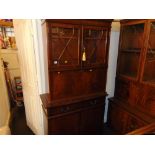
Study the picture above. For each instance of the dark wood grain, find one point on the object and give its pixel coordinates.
(147, 129)
(135, 87)
(75, 103)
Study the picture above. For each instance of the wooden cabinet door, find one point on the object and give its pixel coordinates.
(92, 120)
(64, 45)
(64, 125)
(94, 45)
(117, 119)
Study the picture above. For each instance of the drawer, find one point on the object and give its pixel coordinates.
(76, 106)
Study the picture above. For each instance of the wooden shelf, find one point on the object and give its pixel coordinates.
(19, 91)
(54, 37)
(150, 60)
(149, 80)
(130, 50)
(151, 51)
(6, 24)
(19, 99)
(87, 38)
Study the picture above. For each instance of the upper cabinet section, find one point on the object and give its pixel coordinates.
(76, 43)
(131, 45)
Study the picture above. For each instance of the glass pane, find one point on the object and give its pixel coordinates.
(149, 70)
(132, 37)
(94, 43)
(130, 48)
(65, 46)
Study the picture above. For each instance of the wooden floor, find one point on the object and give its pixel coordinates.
(18, 124)
(107, 131)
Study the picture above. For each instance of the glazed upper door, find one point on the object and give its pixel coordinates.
(64, 42)
(94, 46)
(131, 44)
(149, 68)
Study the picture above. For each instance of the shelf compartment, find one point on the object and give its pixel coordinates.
(132, 36)
(87, 38)
(130, 50)
(58, 37)
(128, 64)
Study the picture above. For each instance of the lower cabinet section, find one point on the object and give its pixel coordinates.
(123, 118)
(68, 120)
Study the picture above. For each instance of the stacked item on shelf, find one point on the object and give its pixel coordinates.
(7, 38)
(18, 91)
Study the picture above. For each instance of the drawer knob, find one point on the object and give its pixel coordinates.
(65, 61)
(65, 109)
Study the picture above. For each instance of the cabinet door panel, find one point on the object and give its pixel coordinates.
(67, 84)
(92, 121)
(64, 45)
(95, 45)
(64, 125)
(117, 119)
(94, 80)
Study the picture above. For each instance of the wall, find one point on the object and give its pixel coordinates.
(4, 101)
(11, 57)
(112, 63)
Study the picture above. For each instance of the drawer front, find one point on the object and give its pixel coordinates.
(76, 106)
